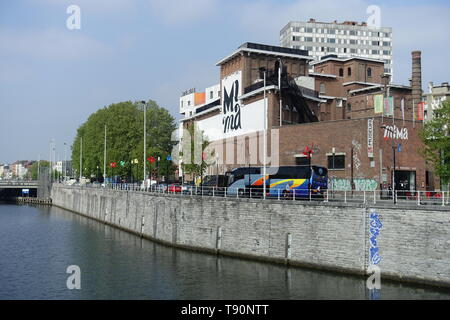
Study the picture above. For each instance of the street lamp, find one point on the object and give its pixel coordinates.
(393, 170)
(263, 70)
(145, 137)
(280, 65)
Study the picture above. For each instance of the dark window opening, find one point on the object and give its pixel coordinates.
(301, 161)
(341, 72)
(338, 163)
(349, 72)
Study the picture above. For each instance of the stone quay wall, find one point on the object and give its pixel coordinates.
(413, 243)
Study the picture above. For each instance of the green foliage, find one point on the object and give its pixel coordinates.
(125, 141)
(42, 166)
(195, 153)
(436, 137)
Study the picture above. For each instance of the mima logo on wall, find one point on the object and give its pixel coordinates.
(231, 120)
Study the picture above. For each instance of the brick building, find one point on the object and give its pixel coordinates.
(335, 110)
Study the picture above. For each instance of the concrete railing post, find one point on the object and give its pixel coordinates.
(443, 198)
(364, 192)
(418, 197)
(374, 196)
(345, 196)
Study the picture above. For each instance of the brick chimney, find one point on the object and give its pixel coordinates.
(416, 83)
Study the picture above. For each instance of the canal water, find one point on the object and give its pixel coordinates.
(38, 243)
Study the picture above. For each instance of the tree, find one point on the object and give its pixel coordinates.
(195, 151)
(125, 142)
(41, 165)
(436, 137)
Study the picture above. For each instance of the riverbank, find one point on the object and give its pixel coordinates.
(413, 243)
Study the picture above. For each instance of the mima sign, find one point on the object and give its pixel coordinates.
(231, 110)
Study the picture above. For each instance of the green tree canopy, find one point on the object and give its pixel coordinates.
(42, 166)
(436, 137)
(124, 140)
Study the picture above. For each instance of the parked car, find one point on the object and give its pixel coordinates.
(174, 188)
(188, 188)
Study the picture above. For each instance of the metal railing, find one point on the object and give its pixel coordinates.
(387, 197)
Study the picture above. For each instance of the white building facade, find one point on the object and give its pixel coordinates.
(345, 39)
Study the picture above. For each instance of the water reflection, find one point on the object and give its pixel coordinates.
(40, 242)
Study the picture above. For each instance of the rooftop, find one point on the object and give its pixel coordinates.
(343, 59)
(269, 50)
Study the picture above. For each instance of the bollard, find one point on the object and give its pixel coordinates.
(418, 197)
(374, 197)
(213, 192)
(327, 197)
(443, 198)
(278, 194)
(293, 196)
(364, 196)
(345, 196)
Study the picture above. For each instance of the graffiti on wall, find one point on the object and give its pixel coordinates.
(360, 184)
(356, 151)
(374, 230)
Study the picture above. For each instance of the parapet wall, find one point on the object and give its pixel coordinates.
(414, 244)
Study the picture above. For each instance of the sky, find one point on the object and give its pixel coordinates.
(52, 78)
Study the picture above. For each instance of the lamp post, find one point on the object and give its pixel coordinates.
(65, 162)
(263, 70)
(393, 169)
(279, 89)
(145, 137)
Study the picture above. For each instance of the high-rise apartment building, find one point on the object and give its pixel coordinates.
(345, 39)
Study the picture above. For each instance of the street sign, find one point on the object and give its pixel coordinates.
(25, 191)
(399, 147)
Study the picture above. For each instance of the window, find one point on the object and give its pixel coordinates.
(308, 30)
(369, 72)
(331, 40)
(189, 103)
(341, 72)
(211, 94)
(349, 71)
(301, 161)
(375, 43)
(386, 43)
(336, 161)
(322, 88)
(375, 51)
(352, 41)
(386, 52)
(352, 33)
(309, 39)
(182, 103)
